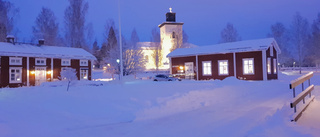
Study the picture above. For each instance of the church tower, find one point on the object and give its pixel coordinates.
(171, 36)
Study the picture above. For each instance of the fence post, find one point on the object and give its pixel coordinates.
(302, 86)
(294, 92)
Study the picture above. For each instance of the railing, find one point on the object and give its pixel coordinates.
(302, 95)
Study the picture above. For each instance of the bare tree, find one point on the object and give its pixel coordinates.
(46, 27)
(8, 14)
(133, 59)
(315, 40)
(75, 19)
(229, 34)
(280, 34)
(299, 32)
(156, 55)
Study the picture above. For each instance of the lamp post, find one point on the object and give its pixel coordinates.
(120, 44)
(118, 61)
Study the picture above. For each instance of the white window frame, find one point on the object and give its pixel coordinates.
(271, 51)
(16, 78)
(206, 72)
(275, 66)
(269, 65)
(41, 63)
(87, 72)
(17, 60)
(84, 63)
(66, 60)
(222, 67)
(243, 64)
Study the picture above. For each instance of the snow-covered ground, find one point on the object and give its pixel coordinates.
(138, 108)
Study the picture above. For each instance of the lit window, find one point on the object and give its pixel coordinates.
(274, 66)
(83, 62)
(248, 66)
(15, 61)
(269, 65)
(83, 73)
(65, 62)
(223, 67)
(40, 61)
(15, 75)
(206, 68)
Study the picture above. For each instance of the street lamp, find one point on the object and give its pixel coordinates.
(120, 44)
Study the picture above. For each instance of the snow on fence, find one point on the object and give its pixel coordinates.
(301, 97)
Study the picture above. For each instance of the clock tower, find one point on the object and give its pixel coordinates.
(171, 36)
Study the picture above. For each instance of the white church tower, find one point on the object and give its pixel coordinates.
(171, 36)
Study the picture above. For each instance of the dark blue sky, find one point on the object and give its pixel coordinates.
(204, 19)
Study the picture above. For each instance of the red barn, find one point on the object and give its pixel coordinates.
(247, 60)
(26, 64)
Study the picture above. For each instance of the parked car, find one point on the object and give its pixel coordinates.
(162, 77)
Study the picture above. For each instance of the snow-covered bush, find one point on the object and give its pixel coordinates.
(68, 74)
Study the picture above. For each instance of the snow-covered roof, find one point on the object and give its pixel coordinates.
(27, 50)
(240, 46)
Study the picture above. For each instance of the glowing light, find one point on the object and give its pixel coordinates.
(32, 72)
(108, 65)
(49, 72)
(181, 67)
(104, 67)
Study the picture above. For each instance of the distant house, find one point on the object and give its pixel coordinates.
(247, 60)
(29, 65)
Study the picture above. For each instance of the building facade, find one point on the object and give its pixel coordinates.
(246, 60)
(30, 65)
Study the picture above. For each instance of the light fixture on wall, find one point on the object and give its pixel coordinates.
(49, 72)
(32, 72)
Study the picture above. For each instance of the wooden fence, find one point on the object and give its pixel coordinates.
(301, 97)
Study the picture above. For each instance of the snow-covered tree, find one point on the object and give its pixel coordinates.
(8, 14)
(133, 59)
(96, 52)
(229, 34)
(46, 28)
(299, 37)
(280, 34)
(75, 17)
(110, 52)
(156, 55)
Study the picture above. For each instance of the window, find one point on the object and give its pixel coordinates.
(173, 35)
(271, 51)
(269, 65)
(40, 61)
(248, 66)
(223, 67)
(83, 62)
(65, 62)
(15, 75)
(83, 73)
(274, 66)
(15, 61)
(206, 68)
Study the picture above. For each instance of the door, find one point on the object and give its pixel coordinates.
(189, 70)
(40, 75)
(84, 74)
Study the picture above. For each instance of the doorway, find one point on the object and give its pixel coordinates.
(189, 70)
(40, 75)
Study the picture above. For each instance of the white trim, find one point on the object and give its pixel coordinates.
(17, 60)
(170, 65)
(243, 65)
(234, 65)
(20, 73)
(264, 65)
(83, 63)
(197, 66)
(220, 67)
(203, 68)
(51, 69)
(269, 65)
(277, 66)
(65, 62)
(87, 72)
(271, 50)
(91, 69)
(28, 75)
(41, 63)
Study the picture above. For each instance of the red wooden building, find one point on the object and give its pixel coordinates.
(247, 60)
(29, 65)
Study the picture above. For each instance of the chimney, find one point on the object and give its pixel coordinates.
(41, 42)
(10, 39)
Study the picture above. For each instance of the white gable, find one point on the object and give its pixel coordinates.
(26, 50)
(240, 46)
